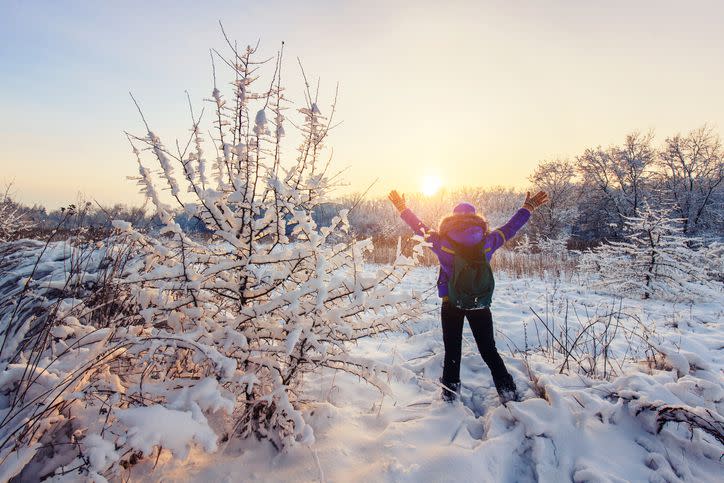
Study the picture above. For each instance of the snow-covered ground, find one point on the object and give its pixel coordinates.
(584, 429)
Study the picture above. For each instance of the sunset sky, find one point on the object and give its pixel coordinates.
(474, 93)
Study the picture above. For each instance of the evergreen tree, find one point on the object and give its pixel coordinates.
(655, 258)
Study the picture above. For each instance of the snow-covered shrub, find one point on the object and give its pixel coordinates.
(584, 346)
(654, 259)
(15, 220)
(61, 329)
(554, 248)
(272, 295)
(713, 253)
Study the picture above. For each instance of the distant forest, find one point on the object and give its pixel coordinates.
(591, 197)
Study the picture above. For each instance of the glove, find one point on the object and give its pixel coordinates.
(397, 200)
(533, 202)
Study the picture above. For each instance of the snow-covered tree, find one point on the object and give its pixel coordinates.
(692, 178)
(615, 182)
(557, 178)
(654, 259)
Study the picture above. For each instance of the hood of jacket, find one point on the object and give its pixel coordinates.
(464, 229)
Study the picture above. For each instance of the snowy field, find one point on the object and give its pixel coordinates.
(631, 425)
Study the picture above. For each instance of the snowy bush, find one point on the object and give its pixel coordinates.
(272, 295)
(15, 220)
(61, 329)
(713, 253)
(654, 259)
(580, 339)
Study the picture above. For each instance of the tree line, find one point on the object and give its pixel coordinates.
(591, 196)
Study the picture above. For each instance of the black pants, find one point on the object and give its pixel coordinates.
(481, 323)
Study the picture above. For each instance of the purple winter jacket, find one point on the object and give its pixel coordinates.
(467, 236)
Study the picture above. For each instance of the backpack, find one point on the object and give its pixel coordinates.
(471, 282)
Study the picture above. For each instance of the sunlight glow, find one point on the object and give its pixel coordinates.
(430, 185)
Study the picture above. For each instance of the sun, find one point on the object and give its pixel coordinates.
(430, 185)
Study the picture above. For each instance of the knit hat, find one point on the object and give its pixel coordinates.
(464, 209)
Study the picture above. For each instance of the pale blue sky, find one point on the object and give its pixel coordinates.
(474, 92)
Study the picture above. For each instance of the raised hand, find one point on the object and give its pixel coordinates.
(397, 200)
(533, 202)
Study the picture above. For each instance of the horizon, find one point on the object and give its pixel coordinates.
(519, 84)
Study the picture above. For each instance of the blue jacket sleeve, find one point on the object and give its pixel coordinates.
(414, 222)
(499, 236)
(421, 229)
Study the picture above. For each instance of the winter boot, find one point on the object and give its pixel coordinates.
(450, 390)
(508, 392)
